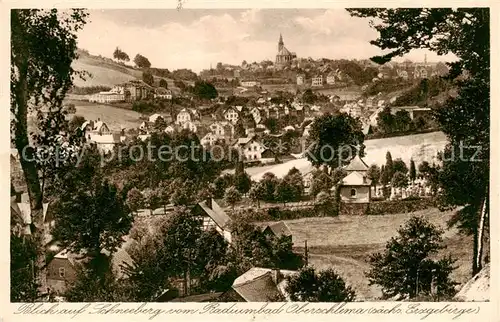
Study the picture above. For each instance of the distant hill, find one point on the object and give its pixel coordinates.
(106, 72)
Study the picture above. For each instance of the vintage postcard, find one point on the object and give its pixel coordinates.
(252, 163)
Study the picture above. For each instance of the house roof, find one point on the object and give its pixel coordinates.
(154, 117)
(356, 178)
(216, 213)
(284, 52)
(356, 164)
(280, 229)
(118, 259)
(257, 284)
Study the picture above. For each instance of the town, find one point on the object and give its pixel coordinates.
(281, 175)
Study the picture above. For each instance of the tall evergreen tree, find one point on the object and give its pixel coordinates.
(413, 170)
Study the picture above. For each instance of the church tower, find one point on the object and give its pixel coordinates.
(280, 44)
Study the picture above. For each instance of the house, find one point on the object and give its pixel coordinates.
(169, 129)
(289, 128)
(209, 139)
(330, 78)
(187, 115)
(250, 83)
(301, 78)
(317, 80)
(260, 285)
(106, 97)
(355, 189)
(62, 269)
(250, 147)
(414, 111)
(222, 129)
(278, 229)
(214, 217)
(163, 93)
(231, 115)
(154, 117)
(257, 117)
(191, 126)
(137, 90)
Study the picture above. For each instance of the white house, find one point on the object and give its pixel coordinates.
(250, 83)
(169, 129)
(214, 217)
(301, 79)
(256, 115)
(231, 115)
(187, 115)
(209, 139)
(222, 129)
(250, 148)
(330, 78)
(191, 126)
(317, 80)
(154, 117)
(163, 93)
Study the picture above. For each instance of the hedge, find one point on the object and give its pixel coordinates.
(400, 206)
(276, 213)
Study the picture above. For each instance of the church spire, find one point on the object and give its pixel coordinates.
(280, 43)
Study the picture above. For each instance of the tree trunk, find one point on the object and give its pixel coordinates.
(480, 234)
(26, 158)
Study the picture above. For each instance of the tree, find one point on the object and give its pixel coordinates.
(408, 266)
(141, 61)
(271, 124)
(76, 122)
(43, 47)
(148, 78)
(135, 199)
(424, 169)
(180, 245)
(270, 182)
(221, 184)
(399, 165)
(335, 140)
(325, 203)
(399, 180)
(324, 286)
(232, 196)
(294, 179)
(257, 193)
(23, 257)
(163, 83)
(204, 90)
(284, 192)
(86, 199)
(321, 182)
(435, 29)
(402, 121)
(389, 167)
(385, 120)
(95, 282)
(241, 180)
(118, 54)
(374, 175)
(309, 97)
(413, 171)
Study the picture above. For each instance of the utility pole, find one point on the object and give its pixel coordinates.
(306, 255)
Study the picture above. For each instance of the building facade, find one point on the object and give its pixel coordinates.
(283, 56)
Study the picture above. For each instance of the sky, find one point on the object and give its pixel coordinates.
(198, 38)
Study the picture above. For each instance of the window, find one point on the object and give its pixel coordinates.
(62, 272)
(255, 148)
(353, 193)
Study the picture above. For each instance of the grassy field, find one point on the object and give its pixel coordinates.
(113, 116)
(344, 243)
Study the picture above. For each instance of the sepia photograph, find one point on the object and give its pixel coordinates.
(249, 155)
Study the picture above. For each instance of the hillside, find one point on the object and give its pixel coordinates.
(106, 72)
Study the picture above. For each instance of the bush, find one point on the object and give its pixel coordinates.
(400, 206)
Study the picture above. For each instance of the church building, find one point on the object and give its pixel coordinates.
(284, 55)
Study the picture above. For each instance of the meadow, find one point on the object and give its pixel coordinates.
(345, 243)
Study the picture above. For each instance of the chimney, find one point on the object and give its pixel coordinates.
(276, 276)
